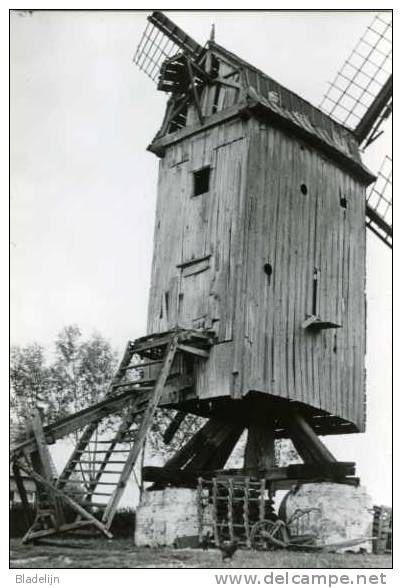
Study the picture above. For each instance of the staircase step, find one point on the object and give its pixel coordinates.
(102, 451)
(89, 492)
(108, 461)
(96, 473)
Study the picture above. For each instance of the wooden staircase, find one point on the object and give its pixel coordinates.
(96, 475)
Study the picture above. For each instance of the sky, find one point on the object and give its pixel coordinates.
(83, 186)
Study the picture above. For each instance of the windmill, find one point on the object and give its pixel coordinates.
(256, 314)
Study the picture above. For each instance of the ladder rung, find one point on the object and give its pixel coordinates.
(109, 441)
(103, 451)
(108, 461)
(111, 472)
(96, 472)
(89, 482)
(99, 483)
(89, 492)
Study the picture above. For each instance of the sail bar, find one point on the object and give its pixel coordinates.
(379, 204)
(363, 76)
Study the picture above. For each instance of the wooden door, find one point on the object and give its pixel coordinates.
(212, 241)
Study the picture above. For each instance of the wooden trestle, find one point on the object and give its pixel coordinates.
(95, 476)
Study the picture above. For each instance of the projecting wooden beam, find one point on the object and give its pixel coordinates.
(194, 351)
(300, 472)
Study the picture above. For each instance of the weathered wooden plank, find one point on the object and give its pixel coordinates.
(173, 427)
(301, 429)
(293, 472)
(185, 453)
(22, 493)
(260, 446)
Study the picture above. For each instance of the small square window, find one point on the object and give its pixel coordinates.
(201, 181)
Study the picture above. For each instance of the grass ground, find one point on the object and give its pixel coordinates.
(101, 553)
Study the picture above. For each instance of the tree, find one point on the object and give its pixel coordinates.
(30, 377)
(82, 370)
(78, 376)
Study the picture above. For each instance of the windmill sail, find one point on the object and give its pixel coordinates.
(379, 204)
(360, 97)
(162, 40)
(364, 77)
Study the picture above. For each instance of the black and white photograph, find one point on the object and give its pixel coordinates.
(201, 294)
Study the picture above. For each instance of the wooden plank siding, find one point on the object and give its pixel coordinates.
(297, 233)
(197, 243)
(210, 251)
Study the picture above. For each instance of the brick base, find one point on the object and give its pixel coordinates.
(165, 515)
(345, 512)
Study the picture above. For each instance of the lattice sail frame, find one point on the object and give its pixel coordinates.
(363, 74)
(162, 40)
(379, 203)
(154, 48)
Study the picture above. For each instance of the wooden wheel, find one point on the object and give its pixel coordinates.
(267, 535)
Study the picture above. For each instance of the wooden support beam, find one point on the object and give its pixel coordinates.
(260, 447)
(47, 468)
(23, 495)
(230, 510)
(302, 449)
(186, 452)
(34, 535)
(173, 427)
(220, 457)
(300, 430)
(295, 473)
(43, 464)
(195, 93)
(216, 448)
(194, 351)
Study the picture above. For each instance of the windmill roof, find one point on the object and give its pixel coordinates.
(297, 114)
(265, 86)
